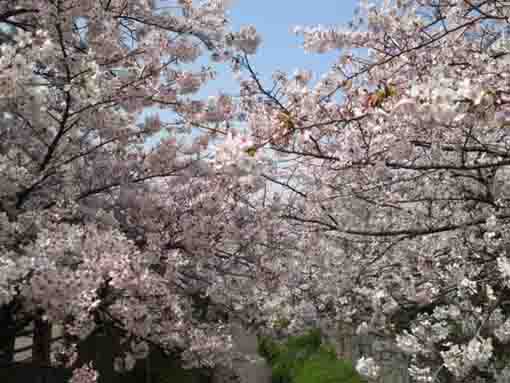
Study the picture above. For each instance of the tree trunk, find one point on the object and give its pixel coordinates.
(148, 370)
(7, 342)
(42, 342)
(7, 336)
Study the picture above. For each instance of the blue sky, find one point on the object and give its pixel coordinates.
(281, 49)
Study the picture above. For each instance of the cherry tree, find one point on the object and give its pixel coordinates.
(392, 176)
(96, 227)
(375, 194)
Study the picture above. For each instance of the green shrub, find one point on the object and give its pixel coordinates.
(305, 359)
(322, 368)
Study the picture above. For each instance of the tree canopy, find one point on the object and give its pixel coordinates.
(375, 195)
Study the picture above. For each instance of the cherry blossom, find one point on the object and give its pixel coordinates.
(96, 227)
(390, 171)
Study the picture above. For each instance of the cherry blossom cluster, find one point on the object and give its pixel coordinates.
(97, 228)
(391, 176)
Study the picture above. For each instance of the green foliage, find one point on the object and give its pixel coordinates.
(305, 359)
(323, 368)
